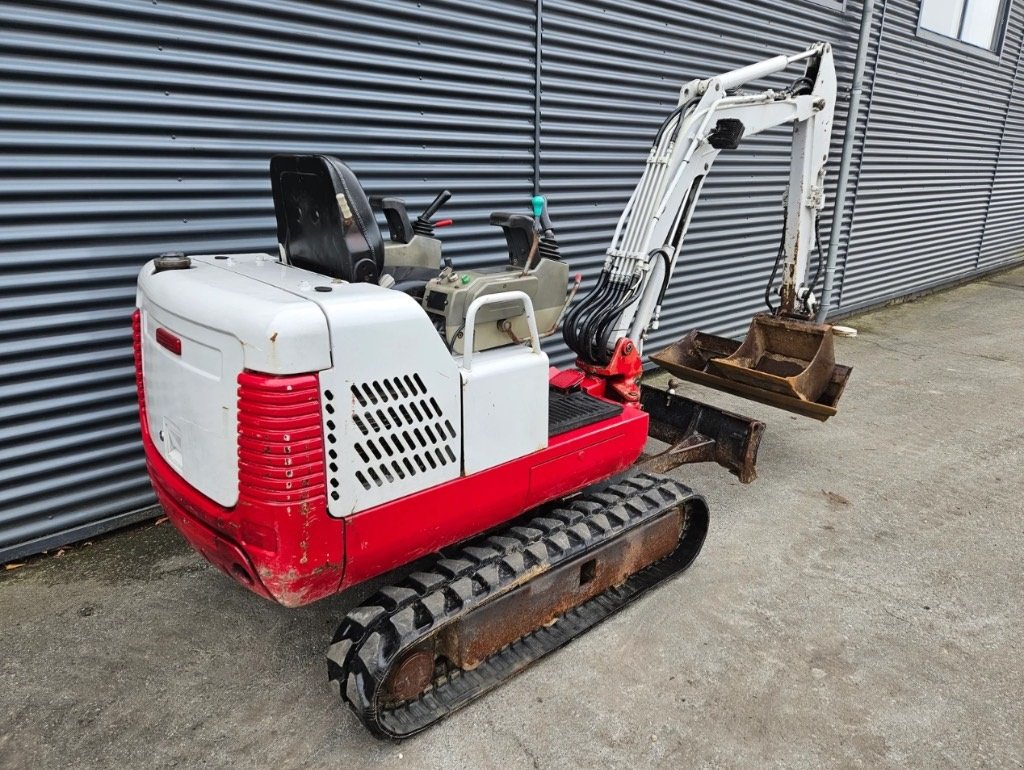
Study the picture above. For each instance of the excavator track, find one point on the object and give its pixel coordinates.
(418, 651)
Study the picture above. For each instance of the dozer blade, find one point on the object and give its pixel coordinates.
(784, 363)
(698, 432)
(417, 651)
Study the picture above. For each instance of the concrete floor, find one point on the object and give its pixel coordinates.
(860, 605)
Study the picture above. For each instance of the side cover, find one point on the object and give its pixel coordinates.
(202, 327)
(392, 411)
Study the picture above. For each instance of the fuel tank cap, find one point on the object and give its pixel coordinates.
(171, 260)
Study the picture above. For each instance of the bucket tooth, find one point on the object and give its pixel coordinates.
(785, 363)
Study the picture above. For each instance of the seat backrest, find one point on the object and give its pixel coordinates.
(324, 220)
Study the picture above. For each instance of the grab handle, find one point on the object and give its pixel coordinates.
(491, 299)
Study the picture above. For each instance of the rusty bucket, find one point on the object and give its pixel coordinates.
(793, 358)
(783, 362)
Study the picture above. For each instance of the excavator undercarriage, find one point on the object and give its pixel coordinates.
(463, 624)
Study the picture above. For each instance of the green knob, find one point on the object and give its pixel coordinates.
(538, 205)
(465, 279)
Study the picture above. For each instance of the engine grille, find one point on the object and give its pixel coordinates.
(280, 442)
(403, 432)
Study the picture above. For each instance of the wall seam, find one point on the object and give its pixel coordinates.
(537, 78)
(863, 150)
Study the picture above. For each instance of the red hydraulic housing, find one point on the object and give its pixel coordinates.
(622, 373)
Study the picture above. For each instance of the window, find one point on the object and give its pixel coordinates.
(975, 22)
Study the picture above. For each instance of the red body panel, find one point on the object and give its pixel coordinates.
(279, 540)
(385, 537)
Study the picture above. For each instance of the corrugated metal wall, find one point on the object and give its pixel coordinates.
(934, 149)
(131, 128)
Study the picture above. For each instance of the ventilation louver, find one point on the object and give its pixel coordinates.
(403, 432)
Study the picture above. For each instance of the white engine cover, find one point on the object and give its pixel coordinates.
(400, 413)
(226, 322)
(392, 411)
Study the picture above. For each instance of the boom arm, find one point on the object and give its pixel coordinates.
(640, 261)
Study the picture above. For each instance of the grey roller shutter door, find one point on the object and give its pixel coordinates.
(1004, 226)
(134, 128)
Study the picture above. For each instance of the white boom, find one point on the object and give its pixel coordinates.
(653, 225)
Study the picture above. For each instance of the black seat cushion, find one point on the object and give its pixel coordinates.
(324, 219)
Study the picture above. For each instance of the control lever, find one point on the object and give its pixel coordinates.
(540, 211)
(548, 248)
(520, 231)
(395, 213)
(423, 225)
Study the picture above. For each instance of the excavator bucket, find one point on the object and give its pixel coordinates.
(783, 362)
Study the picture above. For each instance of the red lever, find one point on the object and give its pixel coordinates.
(443, 222)
(169, 341)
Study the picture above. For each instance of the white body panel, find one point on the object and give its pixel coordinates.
(226, 322)
(257, 300)
(396, 422)
(190, 403)
(504, 406)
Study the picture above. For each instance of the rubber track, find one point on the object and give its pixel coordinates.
(374, 636)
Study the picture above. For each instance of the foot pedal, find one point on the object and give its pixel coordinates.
(568, 411)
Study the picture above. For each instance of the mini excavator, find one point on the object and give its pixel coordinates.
(354, 405)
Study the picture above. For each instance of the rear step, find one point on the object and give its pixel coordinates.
(418, 651)
(575, 409)
(783, 362)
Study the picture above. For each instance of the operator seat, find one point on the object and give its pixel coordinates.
(324, 220)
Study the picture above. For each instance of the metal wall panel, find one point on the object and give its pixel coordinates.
(931, 158)
(1003, 241)
(611, 72)
(131, 128)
